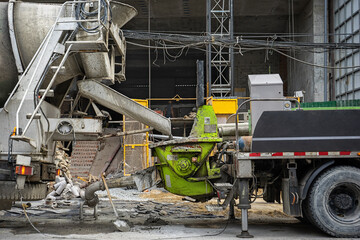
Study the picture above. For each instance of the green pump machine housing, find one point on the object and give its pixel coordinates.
(185, 165)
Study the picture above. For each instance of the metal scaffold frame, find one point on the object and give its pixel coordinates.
(220, 59)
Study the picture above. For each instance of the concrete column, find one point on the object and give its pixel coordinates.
(318, 30)
(310, 21)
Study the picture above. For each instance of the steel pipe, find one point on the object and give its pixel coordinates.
(90, 196)
(229, 129)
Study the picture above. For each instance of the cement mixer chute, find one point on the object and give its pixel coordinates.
(117, 102)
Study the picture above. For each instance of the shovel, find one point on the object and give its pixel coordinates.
(120, 225)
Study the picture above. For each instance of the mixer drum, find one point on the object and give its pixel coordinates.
(8, 76)
(32, 21)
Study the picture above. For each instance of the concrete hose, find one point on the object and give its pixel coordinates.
(91, 198)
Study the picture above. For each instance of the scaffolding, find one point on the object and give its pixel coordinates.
(220, 59)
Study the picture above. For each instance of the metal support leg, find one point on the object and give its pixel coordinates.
(244, 205)
(232, 210)
(244, 225)
(81, 211)
(95, 212)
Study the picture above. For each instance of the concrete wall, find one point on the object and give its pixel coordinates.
(305, 77)
(253, 62)
(179, 77)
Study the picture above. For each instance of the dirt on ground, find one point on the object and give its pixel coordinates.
(151, 209)
(258, 208)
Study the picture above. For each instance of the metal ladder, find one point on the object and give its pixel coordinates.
(52, 45)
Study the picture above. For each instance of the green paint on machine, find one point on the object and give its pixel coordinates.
(184, 164)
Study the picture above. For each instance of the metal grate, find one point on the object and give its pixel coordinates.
(347, 30)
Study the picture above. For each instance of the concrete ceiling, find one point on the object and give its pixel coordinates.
(255, 16)
(197, 8)
(250, 16)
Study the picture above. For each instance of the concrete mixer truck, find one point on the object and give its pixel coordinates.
(306, 159)
(48, 53)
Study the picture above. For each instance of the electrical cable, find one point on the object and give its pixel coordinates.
(36, 229)
(253, 35)
(82, 14)
(224, 147)
(198, 236)
(181, 39)
(155, 47)
(239, 48)
(311, 64)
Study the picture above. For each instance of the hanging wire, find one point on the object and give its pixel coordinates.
(274, 43)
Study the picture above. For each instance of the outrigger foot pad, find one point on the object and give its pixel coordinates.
(244, 234)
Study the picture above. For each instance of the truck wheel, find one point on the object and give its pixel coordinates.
(333, 202)
(305, 212)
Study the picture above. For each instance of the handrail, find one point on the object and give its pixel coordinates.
(30, 82)
(48, 88)
(37, 66)
(43, 46)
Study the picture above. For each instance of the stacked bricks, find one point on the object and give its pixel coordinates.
(82, 157)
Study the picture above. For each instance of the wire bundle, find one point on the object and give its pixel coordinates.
(82, 14)
(240, 45)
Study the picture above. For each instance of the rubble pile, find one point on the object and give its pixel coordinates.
(63, 188)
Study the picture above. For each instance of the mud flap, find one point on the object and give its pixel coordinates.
(290, 191)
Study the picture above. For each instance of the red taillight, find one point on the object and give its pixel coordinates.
(24, 170)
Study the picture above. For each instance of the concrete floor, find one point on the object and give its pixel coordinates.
(260, 231)
(152, 215)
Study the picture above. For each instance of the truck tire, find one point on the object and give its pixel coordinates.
(305, 212)
(333, 202)
(304, 219)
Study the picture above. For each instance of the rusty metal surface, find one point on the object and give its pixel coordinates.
(109, 155)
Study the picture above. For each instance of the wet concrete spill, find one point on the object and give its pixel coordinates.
(142, 211)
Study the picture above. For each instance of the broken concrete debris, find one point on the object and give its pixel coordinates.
(62, 190)
(163, 213)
